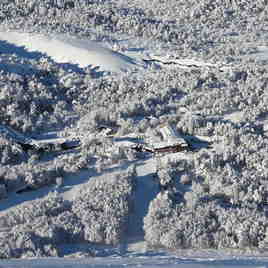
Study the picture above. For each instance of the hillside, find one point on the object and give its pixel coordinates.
(131, 127)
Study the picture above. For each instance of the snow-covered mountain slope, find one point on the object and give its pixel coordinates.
(65, 49)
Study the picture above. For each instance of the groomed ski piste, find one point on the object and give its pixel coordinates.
(133, 137)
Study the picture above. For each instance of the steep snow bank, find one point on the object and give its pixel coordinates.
(65, 49)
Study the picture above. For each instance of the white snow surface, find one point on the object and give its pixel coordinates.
(142, 262)
(65, 49)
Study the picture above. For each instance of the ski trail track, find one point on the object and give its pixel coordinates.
(146, 190)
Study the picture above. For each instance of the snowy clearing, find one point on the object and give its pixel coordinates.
(65, 49)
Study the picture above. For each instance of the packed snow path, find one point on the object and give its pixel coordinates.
(143, 262)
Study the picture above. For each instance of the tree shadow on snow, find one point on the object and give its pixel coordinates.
(15, 199)
(23, 69)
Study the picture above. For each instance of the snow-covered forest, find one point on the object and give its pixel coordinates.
(112, 76)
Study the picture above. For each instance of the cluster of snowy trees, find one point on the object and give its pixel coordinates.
(209, 224)
(48, 98)
(10, 152)
(33, 96)
(222, 208)
(99, 214)
(217, 199)
(27, 230)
